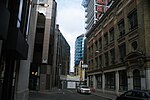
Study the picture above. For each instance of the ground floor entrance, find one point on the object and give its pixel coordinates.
(119, 80)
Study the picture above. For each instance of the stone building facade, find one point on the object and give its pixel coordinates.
(118, 48)
(42, 70)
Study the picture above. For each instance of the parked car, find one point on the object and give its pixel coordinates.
(83, 89)
(135, 95)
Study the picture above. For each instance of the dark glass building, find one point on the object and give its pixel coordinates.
(13, 44)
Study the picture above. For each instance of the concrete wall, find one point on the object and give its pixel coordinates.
(22, 91)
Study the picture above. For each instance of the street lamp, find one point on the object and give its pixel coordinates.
(97, 51)
(59, 72)
(59, 68)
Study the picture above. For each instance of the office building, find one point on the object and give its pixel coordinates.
(62, 57)
(42, 72)
(94, 9)
(79, 51)
(118, 48)
(16, 42)
(34, 83)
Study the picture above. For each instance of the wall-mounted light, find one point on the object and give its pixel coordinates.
(40, 4)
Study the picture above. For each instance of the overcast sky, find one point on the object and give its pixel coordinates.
(71, 17)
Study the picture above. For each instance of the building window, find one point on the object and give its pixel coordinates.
(96, 45)
(111, 15)
(106, 38)
(121, 27)
(119, 6)
(100, 1)
(106, 59)
(98, 15)
(112, 55)
(99, 81)
(92, 64)
(100, 60)
(132, 18)
(109, 3)
(136, 79)
(122, 52)
(100, 8)
(42, 1)
(89, 49)
(110, 80)
(89, 63)
(100, 44)
(19, 14)
(96, 60)
(123, 85)
(111, 31)
(92, 49)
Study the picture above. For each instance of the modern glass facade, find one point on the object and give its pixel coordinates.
(79, 49)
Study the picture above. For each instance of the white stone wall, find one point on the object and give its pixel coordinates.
(148, 79)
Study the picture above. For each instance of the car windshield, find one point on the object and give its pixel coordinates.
(84, 86)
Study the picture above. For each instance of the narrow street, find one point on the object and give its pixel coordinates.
(63, 95)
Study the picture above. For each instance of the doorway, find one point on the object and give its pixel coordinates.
(136, 79)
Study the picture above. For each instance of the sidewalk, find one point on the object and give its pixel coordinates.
(44, 95)
(53, 90)
(106, 95)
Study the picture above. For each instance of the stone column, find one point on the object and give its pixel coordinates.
(103, 81)
(130, 80)
(94, 82)
(83, 74)
(117, 81)
(143, 79)
(88, 81)
(148, 79)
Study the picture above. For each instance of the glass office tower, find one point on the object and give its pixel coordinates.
(79, 49)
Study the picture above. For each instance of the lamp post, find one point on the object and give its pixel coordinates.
(59, 69)
(59, 73)
(84, 67)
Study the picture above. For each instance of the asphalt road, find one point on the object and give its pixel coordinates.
(62, 95)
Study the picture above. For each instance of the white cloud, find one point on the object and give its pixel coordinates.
(70, 17)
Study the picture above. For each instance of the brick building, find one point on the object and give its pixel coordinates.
(118, 48)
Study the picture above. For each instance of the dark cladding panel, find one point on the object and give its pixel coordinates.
(4, 22)
(17, 44)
